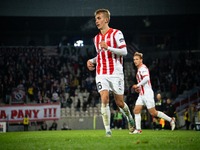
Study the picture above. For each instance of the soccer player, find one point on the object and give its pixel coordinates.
(111, 47)
(146, 95)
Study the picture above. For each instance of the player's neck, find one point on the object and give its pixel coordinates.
(104, 30)
(139, 65)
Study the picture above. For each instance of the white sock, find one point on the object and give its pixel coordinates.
(163, 116)
(126, 112)
(105, 111)
(138, 121)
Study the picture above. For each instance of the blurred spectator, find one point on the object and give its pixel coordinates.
(187, 119)
(7, 92)
(26, 123)
(53, 126)
(84, 105)
(39, 97)
(35, 93)
(30, 93)
(72, 88)
(20, 84)
(76, 81)
(78, 105)
(62, 99)
(64, 127)
(55, 97)
(47, 97)
(118, 119)
(159, 103)
(69, 102)
(170, 111)
(143, 118)
(44, 126)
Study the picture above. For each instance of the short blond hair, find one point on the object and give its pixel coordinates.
(103, 11)
(138, 54)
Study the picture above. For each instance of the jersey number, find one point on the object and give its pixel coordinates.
(99, 86)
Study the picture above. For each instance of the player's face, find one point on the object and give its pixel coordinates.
(100, 21)
(137, 61)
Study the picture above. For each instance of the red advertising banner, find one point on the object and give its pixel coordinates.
(35, 112)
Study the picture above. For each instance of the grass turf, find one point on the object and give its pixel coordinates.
(95, 140)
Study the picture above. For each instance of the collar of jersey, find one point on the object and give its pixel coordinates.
(106, 32)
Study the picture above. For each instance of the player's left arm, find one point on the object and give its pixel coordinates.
(119, 38)
(145, 79)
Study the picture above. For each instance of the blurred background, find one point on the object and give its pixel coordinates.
(44, 47)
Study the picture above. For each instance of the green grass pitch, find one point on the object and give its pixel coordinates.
(95, 140)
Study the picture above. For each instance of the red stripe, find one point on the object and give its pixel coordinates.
(142, 89)
(104, 62)
(145, 76)
(122, 46)
(96, 42)
(98, 64)
(110, 59)
(121, 59)
(111, 66)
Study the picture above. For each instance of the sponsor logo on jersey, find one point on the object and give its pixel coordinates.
(121, 40)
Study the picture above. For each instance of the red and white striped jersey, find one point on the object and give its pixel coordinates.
(107, 62)
(141, 73)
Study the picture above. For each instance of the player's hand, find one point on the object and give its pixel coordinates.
(90, 65)
(137, 90)
(135, 86)
(104, 45)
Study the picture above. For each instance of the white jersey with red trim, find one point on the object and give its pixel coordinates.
(107, 62)
(141, 73)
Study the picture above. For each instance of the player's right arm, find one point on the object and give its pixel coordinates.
(91, 62)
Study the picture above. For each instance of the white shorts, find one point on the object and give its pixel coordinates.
(146, 100)
(113, 83)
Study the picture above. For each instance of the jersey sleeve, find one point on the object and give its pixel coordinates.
(144, 72)
(119, 38)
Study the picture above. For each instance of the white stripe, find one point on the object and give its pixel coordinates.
(112, 45)
(101, 68)
(95, 43)
(106, 57)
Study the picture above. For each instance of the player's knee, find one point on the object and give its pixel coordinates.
(136, 111)
(120, 104)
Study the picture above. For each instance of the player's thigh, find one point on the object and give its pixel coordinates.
(116, 83)
(138, 105)
(102, 83)
(149, 100)
(104, 96)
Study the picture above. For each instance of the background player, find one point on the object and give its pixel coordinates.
(111, 47)
(146, 96)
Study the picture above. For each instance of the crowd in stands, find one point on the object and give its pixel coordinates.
(47, 79)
